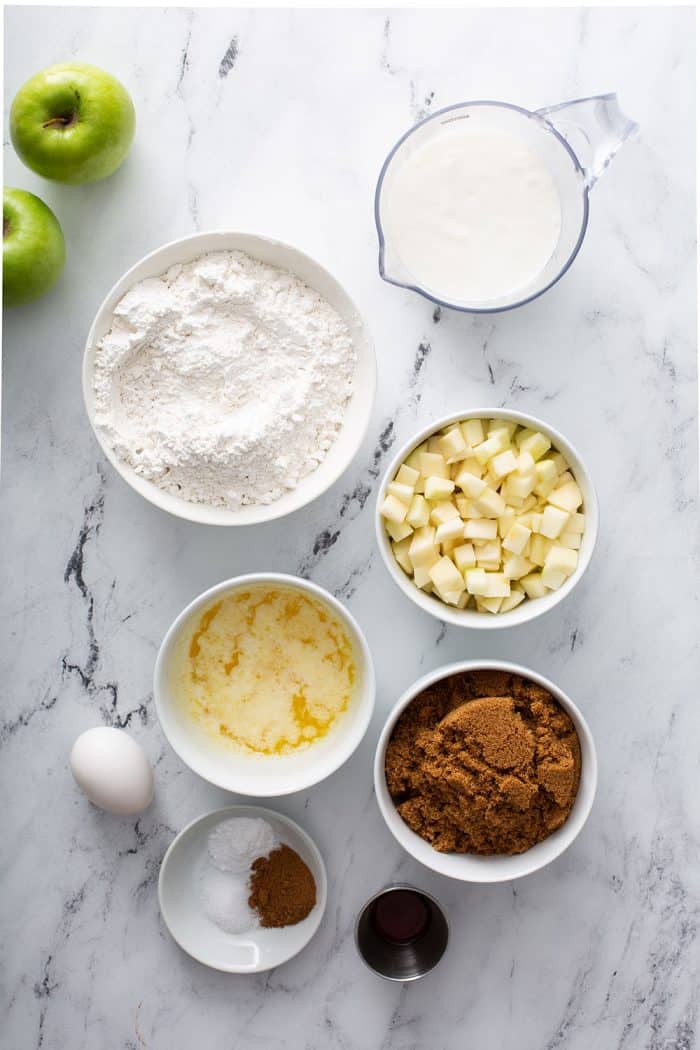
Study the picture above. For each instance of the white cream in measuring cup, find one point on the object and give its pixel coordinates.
(473, 214)
(483, 205)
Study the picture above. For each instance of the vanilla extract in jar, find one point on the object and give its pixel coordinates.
(401, 933)
(400, 916)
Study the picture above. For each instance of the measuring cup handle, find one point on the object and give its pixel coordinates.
(594, 127)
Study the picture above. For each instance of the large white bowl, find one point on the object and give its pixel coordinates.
(178, 896)
(358, 411)
(532, 607)
(262, 776)
(471, 867)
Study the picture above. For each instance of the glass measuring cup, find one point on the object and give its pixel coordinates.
(574, 140)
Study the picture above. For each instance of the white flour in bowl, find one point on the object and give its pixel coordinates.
(224, 380)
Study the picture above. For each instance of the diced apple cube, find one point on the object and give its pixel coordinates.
(393, 509)
(552, 578)
(505, 522)
(398, 530)
(503, 464)
(490, 504)
(481, 529)
(400, 551)
(567, 496)
(422, 550)
(418, 512)
(553, 522)
(489, 448)
(452, 444)
(539, 546)
(518, 487)
(438, 488)
(488, 553)
(522, 435)
(466, 508)
(491, 605)
(516, 567)
(577, 523)
(535, 521)
(451, 597)
(432, 465)
(558, 461)
(463, 600)
(450, 530)
(469, 483)
(442, 512)
(404, 493)
(446, 576)
(562, 559)
(533, 585)
(464, 557)
(497, 585)
(526, 463)
(543, 488)
(502, 432)
(473, 431)
(476, 581)
(569, 538)
(536, 444)
(469, 463)
(545, 470)
(517, 538)
(513, 600)
(407, 475)
(501, 424)
(421, 578)
(413, 460)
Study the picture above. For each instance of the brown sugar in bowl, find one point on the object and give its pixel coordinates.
(491, 866)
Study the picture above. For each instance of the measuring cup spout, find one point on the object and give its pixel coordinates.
(390, 269)
(594, 127)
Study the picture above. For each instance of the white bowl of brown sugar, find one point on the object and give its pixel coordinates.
(485, 771)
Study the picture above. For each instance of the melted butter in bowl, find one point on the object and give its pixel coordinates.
(264, 684)
(267, 669)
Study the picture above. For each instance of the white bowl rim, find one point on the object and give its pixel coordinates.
(395, 823)
(527, 610)
(198, 512)
(265, 813)
(355, 733)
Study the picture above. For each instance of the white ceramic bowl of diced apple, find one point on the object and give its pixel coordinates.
(487, 518)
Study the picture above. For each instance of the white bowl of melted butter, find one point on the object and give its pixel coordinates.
(264, 684)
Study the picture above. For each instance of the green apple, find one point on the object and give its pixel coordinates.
(72, 123)
(33, 249)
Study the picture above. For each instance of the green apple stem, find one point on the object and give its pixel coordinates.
(61, 122)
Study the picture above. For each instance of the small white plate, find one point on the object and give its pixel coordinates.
(178, 896)
(358, 411)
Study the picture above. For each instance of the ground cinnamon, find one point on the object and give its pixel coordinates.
(282, 888)
(484, 762)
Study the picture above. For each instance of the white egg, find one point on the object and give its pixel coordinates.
(112, 770)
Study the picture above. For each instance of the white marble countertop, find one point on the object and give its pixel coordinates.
(278, 122)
